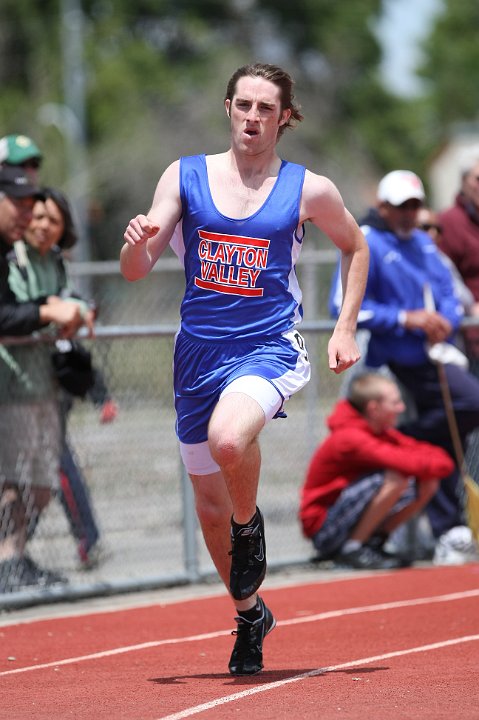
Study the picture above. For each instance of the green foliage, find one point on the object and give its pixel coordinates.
(452, 53)
(155, 72)
(396, 131)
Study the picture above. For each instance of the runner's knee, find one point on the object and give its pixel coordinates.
(234, 426)
(227, 447)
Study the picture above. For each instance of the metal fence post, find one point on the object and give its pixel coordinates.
(190, 542)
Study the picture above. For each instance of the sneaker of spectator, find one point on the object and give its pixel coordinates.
(91, 557)
(36, 575)
(366, 557)
(414, 539)
(456, 547)
(18, 573)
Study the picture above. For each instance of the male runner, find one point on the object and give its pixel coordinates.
(237, 221)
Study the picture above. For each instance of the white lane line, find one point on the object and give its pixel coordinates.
(188, 712)
(382, 606)
(450, 597)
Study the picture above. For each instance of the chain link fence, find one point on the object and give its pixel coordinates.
(137, 495)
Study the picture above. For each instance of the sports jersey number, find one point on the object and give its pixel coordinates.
(302, 345)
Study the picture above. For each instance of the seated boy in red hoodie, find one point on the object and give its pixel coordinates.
(367, 478)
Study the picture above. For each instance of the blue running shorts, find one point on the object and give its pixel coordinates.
(204, 370)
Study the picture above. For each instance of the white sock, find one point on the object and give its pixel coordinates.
(350, 546)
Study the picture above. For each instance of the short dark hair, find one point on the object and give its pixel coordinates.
(69, 237)
(278, 77)
(366, 387)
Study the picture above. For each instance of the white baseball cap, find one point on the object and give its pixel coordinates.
(400, 185)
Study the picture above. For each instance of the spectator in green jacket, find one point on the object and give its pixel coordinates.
(29, 421)
(38, 269)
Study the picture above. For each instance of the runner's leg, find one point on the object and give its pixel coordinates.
(233, 439)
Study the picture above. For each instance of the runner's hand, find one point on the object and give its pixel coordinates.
(139, 230)
(343, 351)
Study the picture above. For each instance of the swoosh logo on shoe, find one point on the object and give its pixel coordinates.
(260, 556)
(245, 532)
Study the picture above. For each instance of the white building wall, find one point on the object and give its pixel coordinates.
(446, 170)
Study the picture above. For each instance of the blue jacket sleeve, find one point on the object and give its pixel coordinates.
(377, 316)
(447, 301)
(397, 284)
(373, 315)
(335, 299)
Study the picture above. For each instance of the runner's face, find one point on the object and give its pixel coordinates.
(256, 115)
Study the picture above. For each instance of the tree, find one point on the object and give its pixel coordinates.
(452, 59)
(156, 72)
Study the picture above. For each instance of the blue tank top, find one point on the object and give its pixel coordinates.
(240, 274)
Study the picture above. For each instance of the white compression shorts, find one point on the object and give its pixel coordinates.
(197, 457)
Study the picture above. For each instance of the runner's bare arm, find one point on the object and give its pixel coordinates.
(323, 205)
(147, 236)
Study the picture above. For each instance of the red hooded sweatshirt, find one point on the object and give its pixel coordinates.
(353, 450)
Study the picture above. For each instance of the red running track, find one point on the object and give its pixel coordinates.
(393, 645)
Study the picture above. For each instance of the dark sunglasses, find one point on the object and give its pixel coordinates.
(31, 164)
(410, 205)
(430, 226)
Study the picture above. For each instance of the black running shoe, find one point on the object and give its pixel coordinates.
(377, 542)
(247, 655)
(248, 561)
(365, 558)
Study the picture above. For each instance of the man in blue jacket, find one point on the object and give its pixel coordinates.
(409, 306)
